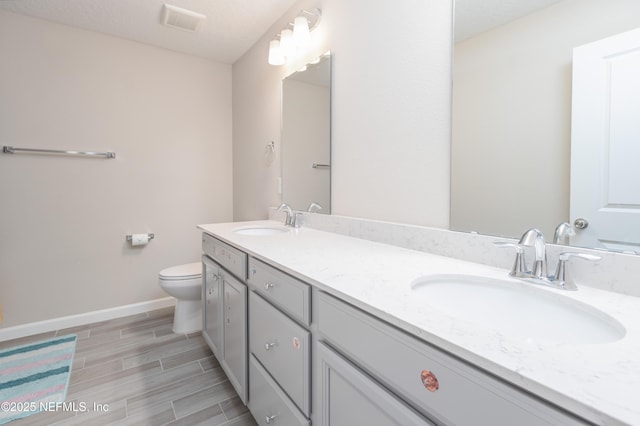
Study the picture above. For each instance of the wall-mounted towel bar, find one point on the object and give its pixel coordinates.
(321, 166)
(13, 150)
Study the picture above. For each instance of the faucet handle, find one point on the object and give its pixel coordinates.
(519, 268)
(560, 274)
(585, 256)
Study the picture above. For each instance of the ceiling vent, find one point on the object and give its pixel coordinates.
(182, 19)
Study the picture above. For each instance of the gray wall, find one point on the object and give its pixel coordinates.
(63, 220)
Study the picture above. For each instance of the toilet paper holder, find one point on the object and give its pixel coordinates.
(149, 237)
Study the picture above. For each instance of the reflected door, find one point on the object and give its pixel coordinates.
(605, 143)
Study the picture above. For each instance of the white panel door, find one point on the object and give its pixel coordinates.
(605, 142)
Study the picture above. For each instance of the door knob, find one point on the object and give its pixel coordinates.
(581, 223)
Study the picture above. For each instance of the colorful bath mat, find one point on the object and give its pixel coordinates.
(35, 377)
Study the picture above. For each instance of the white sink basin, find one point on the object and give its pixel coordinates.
(518, 310)
(261, 230)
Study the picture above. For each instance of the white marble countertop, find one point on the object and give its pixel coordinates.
(599, 382)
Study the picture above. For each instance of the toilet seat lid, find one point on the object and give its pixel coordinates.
(186, 271)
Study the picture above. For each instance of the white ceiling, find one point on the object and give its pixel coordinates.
(476, 16)
(232, 26)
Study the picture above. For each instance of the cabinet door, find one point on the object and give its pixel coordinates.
(349, 397)
(212, 306)
(235, 334)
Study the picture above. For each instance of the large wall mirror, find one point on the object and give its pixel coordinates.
(512, 109)
(306, 136)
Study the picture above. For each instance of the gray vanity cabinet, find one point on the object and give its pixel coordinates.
(224, 313)
(276, 349)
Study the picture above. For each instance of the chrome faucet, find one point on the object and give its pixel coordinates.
(284, 207)
(562, 233)
(293, 219)
(313, 206)
(533, 238)
(538, 273)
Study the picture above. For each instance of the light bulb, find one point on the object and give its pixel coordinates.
(301, 31)
(287, 45)
(275, 53)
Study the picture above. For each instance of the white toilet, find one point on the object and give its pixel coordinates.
(184, 282)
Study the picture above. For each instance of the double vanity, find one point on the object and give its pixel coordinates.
(313, 327)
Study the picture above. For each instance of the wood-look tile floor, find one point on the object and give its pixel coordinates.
(135, 371)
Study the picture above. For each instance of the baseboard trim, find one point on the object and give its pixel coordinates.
(30, 329)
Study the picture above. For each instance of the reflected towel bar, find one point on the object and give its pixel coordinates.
(12, 150)
(320, 166)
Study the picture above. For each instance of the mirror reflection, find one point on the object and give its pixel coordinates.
(306, 137)
(512, 110)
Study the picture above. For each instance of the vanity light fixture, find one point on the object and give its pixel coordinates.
(287, 44)
(289, 41)
(275, 53)
(301, 34)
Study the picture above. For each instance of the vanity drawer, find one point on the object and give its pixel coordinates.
(287, 293)
(232, 259)
(267, 402)
(438, 385)
(282, 347)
